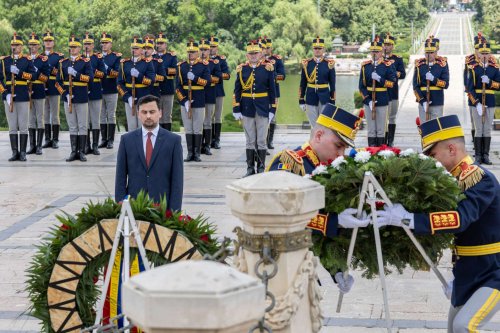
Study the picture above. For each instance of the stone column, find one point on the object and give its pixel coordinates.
(282, 204)
(194, 296)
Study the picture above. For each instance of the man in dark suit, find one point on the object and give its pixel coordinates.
(150, 159)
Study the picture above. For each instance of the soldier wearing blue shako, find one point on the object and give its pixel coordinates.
(73, 77)
(399, 66)
(193, 76)
(37, 95)
(95, 93)
(167, 86)
(219, 91)
(279, 68)
(376, 77)
(470, 60)
(160, 74)
(475, 291)
(109, 91)
(483, 80)
(17, 70)
(431, 76)
(317, 82)
(53, 99)
(254, 102)
(135, 77)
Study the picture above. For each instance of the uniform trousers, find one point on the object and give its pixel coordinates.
(51, 112)
(95, 113)
(219, 102)
(36, 113)
(482, 129)
(78, 118)
(377, 126)
(18, 118)
(393, 111)
(108, 108)
(255, 131)
(209, 112)
(133, 122)
(166, 106)
(313, 112)
(195, 124)
(434, 112)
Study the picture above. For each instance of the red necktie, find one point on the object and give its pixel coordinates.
(149, 149)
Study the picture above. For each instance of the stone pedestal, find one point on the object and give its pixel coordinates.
(281, 203)
(194, 296)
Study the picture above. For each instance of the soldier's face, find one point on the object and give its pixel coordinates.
(388, 48)
(74, 50)
(193, 55)
(161, 46)
(484, 57)
(137, 52)
(253, 57)
(106, 46)
(205, 53)
(213, 50)
(446, 152)
(88, 47)
(318, 52)
(431, 56)
(376, 55)
(16, 49)
(148, 51)
(269, 51)
(149, 115)
(34, 48)
(48, 44)
(327, 145)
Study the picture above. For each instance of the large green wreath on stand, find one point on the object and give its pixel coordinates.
(197, 230)
(419, 183)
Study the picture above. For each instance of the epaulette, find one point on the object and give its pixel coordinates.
(389, 62)
(397, 56)
(85, 59)
(63, 59)
(99, 55)
(420, 62)
(223, 57)
(473, 65)
(271, 61)
(292, 161)
(59, 54)
(172, 53)
(44, 58)
(470, 176)
(3, 57)
(239, 67)
(124, 60)
(215, 61)
(118, 54)
(180, 63)
(146, 60)
(366, 62)
(277, 56)
(160, 60)
(205, 62)
(441, 61)
(331, 64)
(305, 62)
(269, 67)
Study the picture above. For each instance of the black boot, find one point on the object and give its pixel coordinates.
(104, 136)
(95, 141)
(478, 150)
(207, 141)
(55, 136)
(486, 150)
(270, 136)
(216, 134)
(39, 138)
(212, 144)
(73, 140)
(111, 135)
(88, 146)
(250, 162)
(189, 146)
(473, 133)
(391, 134)
(372, 142)
(32, 133)
(380, 141)
(261, 165)
(48, 138)
(14, 146)
(197, 147)
(82, 144)
(23, 142)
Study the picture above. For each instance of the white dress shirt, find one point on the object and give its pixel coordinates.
(145, 137)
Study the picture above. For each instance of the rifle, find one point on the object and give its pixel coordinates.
(190, 96)
(70, 81)
(428, 91)
(12, 84)
(374, 89)
(483, 96)
(133, 86)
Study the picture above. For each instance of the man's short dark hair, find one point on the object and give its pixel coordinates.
(148, 99)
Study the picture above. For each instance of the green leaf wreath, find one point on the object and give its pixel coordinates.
(197, 230)
(418, 182)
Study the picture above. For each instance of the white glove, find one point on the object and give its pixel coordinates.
(347, 220)
(344, 285)
(36, 68)
(68, 97)
(429, 76)
(394, 216)
(376, 77)
(479, 108)
(271, 117)
(186, 106)
(237, 115)
(72, 71)
(448, 290)
(190, 76)
(7, 98)
(130, 102)
(106, 67)
(302, 107)
(134, 72)
(485, 79)
(370, 105)
(425, 105)
(14, 69)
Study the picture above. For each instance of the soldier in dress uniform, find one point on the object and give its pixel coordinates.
(193, 76)
(135, 77)
(399, 65)
(73, 78)
(475, 291)
(470, 60)
(254, 102)
(167, 86)
(37, 94)
(109, 91)
(17, 70)
(53, 99)
(219, 91)
(280, 75)
(483, 81)
(431, 76)
(317, 82)
(95, 93)
(210, 94)
(160, 74)
(376, 77)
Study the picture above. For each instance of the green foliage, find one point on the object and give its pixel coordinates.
(197, 230)
(358, 99)
(418, 184)
(487, 14)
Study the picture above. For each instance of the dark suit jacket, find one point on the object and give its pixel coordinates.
(165, 175)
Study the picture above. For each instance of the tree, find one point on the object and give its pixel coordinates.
(381, 13)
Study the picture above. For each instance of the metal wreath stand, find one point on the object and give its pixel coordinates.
(369, 192)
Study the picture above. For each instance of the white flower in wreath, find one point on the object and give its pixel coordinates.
(307, 176)
(336, 163)
(386, 153)
(319, 170)
(439, 165)
(423, 156)
(362, 156)
(407, 152)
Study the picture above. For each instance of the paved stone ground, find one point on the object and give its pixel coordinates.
(32, 193)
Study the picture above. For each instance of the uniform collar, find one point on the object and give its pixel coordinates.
(318, 59)
(308, 152)
(462, 165)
